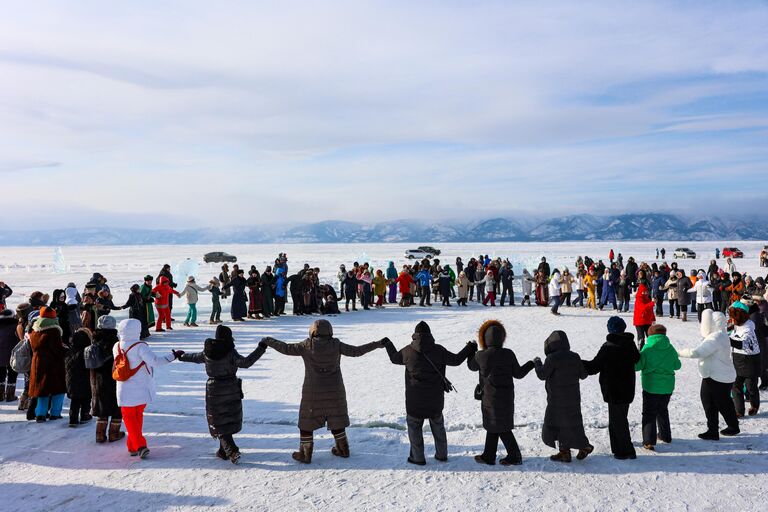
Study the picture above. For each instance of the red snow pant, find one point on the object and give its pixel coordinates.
(133, 417)
(380, 300)
(163, 315)
(490, 297)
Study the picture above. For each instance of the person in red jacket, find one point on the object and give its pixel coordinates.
(610, 256)
(162, 293)
(643, 315)
(404, 281)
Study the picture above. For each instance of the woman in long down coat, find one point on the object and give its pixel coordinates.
(498, 368)
(239, 308)
(103, 386)
(562, 370)
(323, 397)
(224, 391)
(47, 377)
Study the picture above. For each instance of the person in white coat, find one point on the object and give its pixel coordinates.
(717, 374)
(555, 287)
(527, 282)
(703, 289)
(134, 394)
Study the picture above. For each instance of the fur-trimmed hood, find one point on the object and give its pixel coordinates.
(491, 334)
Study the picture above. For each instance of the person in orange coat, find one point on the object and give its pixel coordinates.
(404, 282)
(643, 316)
(162, 293)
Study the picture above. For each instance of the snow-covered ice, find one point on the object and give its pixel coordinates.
(52, 467)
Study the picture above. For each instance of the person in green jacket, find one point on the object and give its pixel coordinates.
(149, 298)
(658, 363)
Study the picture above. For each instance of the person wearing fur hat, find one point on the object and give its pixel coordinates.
(323, 396)
(191, 293)
(498, 367)
(47, 377)
(215, 289)
(658, 363)
(425, 381)
(615, 362)
(717, 375)
(563, 425)
(78, 378)
(137, 309)
(223, 391)
(8, 340)
(134, 394)
(223, 280)
(103, 386)
(149, 299)
(746, 357)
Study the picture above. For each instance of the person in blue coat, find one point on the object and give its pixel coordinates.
(280, 291)
(608, 290)
(424, 280)
(391, 276)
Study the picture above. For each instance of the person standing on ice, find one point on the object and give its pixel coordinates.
(498, 368)
(404, 282)
(555, 284)
(527, 285)
(163, 293)
(103, 386)
(149, 299)
(657, 366)
(609, 290)
(391, 280)
(643, 316)
(425, 363)
(166, 272)
(47, 376)
(615, 362)
(323, 396)
(717, 375)
(191, 293)
(563, 424)
(424, 281)
(239, 307)
(223, 391)
(137, 309)
(746, 358)
(139, 390)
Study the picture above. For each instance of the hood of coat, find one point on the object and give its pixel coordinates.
(129, 330)
(422, 342)
(656, 341)
(712, 323)
(217, 349)
(71, 296)
(491, 334)
(165, 280)
(620, 338)
(82, 338)
(556, 342)
(321, 329)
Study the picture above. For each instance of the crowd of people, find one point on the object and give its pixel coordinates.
(69, 345)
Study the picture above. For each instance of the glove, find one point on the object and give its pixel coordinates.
(263, 344)
(472, 345)
(537, 360)
(177, 353)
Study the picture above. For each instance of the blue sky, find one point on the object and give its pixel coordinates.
(181, 114)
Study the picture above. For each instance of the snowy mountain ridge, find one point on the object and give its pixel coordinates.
(637, 226)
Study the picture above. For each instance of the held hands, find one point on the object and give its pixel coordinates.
(263, 343)
(385, 342)
(537, 361)
(473, 345)
(177, 353)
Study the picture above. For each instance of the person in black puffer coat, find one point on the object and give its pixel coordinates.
(425, 363)
(103, 386)
(498, 368)
(224, 391)
(78, 378)
(563, 423)
(615, 362)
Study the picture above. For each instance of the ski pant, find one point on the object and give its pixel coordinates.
(380, 300)
(425, 295)
(56, 402)
(642, 333)
(216, 311)
(492, 444)
(701, 307)
(416, 437)
(133, 417)
(78, 409)
(491, 296)
(655, 412)
(752, 391)
(10, 374)
(618, 430)
(716, 399)
(227, 445)
(392, 293)
(191, 314)
(163, 316)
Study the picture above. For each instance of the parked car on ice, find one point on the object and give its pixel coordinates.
(430, 250)
(417, 254)
(219, 257)
(732, 252)
(685, 253)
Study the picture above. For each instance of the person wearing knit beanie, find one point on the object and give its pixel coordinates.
(616, 325)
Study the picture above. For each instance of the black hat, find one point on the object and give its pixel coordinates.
(422, 328)
(224, 333)
(616, 325)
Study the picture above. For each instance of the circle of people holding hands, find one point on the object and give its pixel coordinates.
(69, 345)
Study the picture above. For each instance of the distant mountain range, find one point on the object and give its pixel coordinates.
(652, 226)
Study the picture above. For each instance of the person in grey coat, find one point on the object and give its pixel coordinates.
(224, 391)
(498, 368)
(425, 363)
(323, 396)
(563, 424)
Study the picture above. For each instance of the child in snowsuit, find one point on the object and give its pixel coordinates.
(658, 363)
(323, 397)
(215, 301)
(562, 370)
(162, 293)
(223, 391)
(425, 363)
